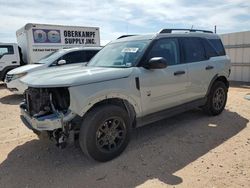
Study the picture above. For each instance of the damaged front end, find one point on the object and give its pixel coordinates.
(47, 109)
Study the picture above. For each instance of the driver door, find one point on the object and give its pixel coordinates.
(164, 88)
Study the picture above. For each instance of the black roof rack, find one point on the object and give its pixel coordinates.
(123, 36)
(190, 30)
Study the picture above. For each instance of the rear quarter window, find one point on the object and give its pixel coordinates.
(210, 50)
(218, 46)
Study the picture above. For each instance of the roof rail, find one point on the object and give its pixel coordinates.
(190, 30)
(123, 36)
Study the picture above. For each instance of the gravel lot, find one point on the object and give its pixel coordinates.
(188, 150)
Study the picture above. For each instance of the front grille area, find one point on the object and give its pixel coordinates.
(38, 100)
(8, 77)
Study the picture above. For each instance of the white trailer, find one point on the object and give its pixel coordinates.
(237, 46)
(36, 41)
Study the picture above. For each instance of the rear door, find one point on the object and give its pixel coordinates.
(216, 54)
(194, 56)
(164, 88)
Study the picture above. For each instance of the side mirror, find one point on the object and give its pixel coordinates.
(156, 63)
(61, 62)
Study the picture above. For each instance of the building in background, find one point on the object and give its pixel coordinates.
(238, 48)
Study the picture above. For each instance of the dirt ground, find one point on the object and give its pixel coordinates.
(188, 150)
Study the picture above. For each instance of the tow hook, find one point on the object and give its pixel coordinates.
(61, 137)
(62, 141)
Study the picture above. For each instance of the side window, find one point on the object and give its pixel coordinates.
(217, 44)
(210, 50)
(167, 48)
(74, 57)
(90, 54)
(193, 50)
(6, 50)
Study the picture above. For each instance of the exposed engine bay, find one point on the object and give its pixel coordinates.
(48, 104)
(44, 101)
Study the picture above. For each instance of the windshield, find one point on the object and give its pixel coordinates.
(121, 54)
(51, 57)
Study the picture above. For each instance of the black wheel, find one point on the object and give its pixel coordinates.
(105, 132)
(217, 99)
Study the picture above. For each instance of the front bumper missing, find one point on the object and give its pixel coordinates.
(45, 123)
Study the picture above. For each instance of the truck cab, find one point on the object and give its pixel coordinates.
(10, 58)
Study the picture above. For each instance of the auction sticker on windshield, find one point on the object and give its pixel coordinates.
(130, 50)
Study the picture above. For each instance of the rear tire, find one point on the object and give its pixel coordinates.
(105, 132)
(217, 99)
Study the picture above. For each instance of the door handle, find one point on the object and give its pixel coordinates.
(209, 67)
(179, 73)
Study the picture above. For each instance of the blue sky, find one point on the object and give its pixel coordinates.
(118, 17)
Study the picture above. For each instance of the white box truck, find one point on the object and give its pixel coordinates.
(35, 41)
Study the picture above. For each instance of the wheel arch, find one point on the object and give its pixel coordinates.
(215, 79)
(224, 80)
(121, 102)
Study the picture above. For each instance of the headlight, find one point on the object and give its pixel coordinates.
(16, 76)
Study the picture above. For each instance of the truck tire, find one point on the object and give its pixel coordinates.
(105, 132)
(217, 99)
(3, 76)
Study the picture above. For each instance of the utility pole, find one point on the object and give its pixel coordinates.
(215, 29)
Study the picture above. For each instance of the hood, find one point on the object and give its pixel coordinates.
(25, 68)
(73, 76)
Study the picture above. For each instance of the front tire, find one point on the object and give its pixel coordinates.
(105, 132)
(217, 99)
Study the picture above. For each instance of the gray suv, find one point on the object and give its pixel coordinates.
(132, 81)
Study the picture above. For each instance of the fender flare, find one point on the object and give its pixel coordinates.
(212, 82)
